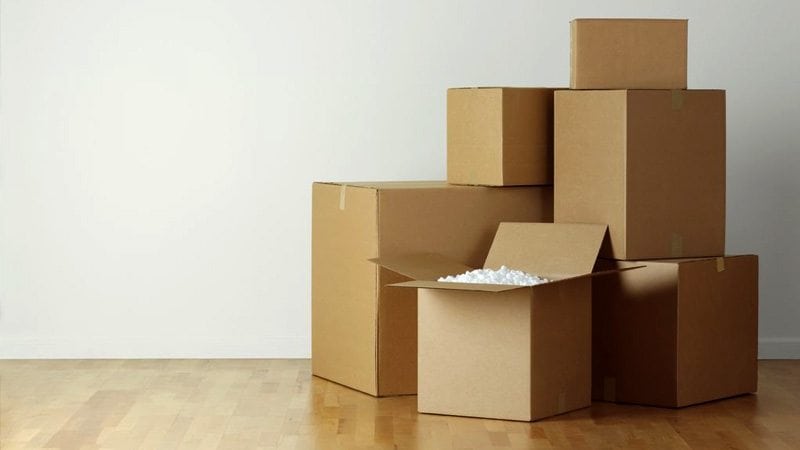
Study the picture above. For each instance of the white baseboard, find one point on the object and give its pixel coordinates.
(155, 348)
(779, 348)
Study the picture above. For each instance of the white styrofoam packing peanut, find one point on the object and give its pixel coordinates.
(503, 275)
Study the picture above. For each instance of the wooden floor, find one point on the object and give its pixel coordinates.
(231, 404)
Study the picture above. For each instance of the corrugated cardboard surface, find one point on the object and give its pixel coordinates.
(457, 222)
(561, 343)
(397, 334)
(634, 330)
(343, 303)
(590, 138)
(451, 286)
(628, 54)
(520, 354)
(476, 341)
(677, 332)
(717, 328)
(474, 353)
(527, 136)
(545, 248)
(675, 174)
(500, 136)
(650, 163)
(475, 136)
(421, 266)
(366, 339)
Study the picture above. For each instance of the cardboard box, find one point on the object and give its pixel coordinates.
(508, 352)
(628, 54)
(676, 333)
(500, 136)
(649, 163)
(364, 335)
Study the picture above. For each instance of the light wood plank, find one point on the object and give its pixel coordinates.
(277, 404)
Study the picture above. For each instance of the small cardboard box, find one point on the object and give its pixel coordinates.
(676, 333)
(500, 136)
(508, 352)
(364, 335)
(628, 54)
(649, 163)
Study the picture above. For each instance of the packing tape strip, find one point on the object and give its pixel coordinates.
(676, 245)
(720, 264)
(562, 402)
(342, 196)
(677, 99)
(609, 389)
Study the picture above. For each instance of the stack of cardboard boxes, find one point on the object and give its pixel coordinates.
(637, 150)
(662, 318)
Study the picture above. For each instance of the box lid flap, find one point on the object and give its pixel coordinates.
(430, 284)
(608, 272)
(460, 286)
(546, 248)
(422, 266)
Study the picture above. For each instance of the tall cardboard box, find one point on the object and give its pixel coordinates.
(364, 335)
(676, 333)
(628, 54)
(500, 136)
(649, 163)
(509, 352)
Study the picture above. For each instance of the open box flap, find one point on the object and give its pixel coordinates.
(603, 272)
(421, 266)
(428, 284)
(460, 286)
(600, 273)
(546, 248)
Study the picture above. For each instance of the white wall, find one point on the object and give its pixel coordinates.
(156, 156)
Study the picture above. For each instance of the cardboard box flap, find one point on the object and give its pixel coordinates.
(608, 272)
(459, 286)
(421, 266)
(546, 248)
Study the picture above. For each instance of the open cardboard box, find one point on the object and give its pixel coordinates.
(501, 351)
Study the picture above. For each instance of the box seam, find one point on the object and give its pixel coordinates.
(573, 57)
(625, 151)
(531, 412)
(378, 197)
(677, 398)
(503, 93)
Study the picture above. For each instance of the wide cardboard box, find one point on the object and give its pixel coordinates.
(676, 333)
(364, 335)
(500, 136)
(508, 352)
(628, 54)
(649, 163)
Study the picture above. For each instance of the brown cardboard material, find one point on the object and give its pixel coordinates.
(500, 136)
(649, 163)
(364, 334)
(677, 332)
(512, 352)
(628, 54)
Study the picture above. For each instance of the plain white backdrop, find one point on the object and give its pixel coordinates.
(156, 157)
